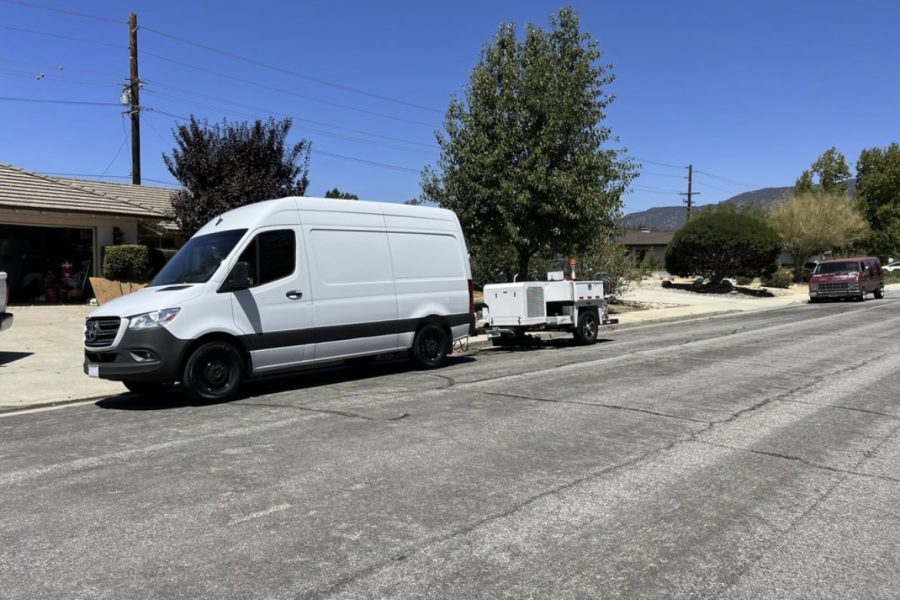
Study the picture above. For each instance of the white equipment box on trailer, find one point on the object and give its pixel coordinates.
(514, 309)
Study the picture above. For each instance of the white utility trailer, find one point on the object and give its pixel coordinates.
(515, 309)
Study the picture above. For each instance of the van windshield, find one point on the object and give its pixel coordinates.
(837, 267)
(199, 258)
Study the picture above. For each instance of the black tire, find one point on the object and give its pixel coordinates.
(588, 327)
(814, 300)
(879, 292)
(862, 296)
(213, 371)
(142, 388)
(430, 346)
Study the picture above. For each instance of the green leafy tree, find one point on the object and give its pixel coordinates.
(228, 165)
(815, 222)
(524, 162)
(878, 189)
(804, 183)
(831, 172)
(336, 193)
(721, 242)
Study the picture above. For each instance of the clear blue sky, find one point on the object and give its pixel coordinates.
(750, 93)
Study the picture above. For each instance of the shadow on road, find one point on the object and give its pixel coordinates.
(8, 357)
(310, 378)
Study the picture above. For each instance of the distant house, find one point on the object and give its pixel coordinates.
(56, 228)
(640, 243)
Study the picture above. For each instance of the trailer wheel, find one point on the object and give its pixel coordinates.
(430, 346)
(587, 328)
(213, 371)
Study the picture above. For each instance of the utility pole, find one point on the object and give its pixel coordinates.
(134, 100)
(690, 193)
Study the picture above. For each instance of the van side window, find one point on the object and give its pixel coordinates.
(270, 256)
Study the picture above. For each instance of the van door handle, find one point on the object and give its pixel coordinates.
(294, 294)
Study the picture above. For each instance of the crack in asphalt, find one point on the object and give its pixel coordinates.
(804, 461)
(340, 413)
(597, 405)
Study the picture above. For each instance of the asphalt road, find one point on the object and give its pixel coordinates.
(748, 456)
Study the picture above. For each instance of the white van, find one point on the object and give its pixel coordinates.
(283, 283)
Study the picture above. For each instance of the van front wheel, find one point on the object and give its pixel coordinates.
(213, 371)
(430, 346)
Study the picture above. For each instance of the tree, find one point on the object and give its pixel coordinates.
(878, 189)
(816, 222)
(336, 193)
(832, 173)
(228, 165)
(804, 184)
(724, 241)
(523, 163)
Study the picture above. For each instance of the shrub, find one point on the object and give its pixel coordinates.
(723, 242)
(782, 278)
(158, 257)
(744, 280)
(126, 262)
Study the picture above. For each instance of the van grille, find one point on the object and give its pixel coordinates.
(834, 287)
(100, 332)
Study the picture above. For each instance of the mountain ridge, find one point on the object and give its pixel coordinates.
(673, 218)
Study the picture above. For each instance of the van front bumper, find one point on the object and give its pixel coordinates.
(146, 356)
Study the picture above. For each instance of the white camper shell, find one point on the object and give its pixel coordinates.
(284, 283)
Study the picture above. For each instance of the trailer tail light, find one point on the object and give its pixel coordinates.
(471, 296)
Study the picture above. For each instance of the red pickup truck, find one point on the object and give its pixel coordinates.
(847, 278)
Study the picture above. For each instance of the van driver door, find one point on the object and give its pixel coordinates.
(274, 312)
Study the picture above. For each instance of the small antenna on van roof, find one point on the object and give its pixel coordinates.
(219, 221)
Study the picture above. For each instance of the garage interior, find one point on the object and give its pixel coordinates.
(46, 264)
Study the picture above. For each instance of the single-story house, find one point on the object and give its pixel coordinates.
(54, 229)
(640, 243)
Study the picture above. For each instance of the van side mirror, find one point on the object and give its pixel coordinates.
(238, 279)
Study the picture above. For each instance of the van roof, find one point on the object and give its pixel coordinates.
(245, 216)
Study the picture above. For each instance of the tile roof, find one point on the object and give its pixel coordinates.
(26, 190)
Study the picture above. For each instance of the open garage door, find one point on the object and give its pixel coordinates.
(46, 264)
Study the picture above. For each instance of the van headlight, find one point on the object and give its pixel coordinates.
(153, 319)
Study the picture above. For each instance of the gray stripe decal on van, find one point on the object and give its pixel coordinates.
(335, 333)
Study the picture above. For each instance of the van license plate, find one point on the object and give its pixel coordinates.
(93, 370)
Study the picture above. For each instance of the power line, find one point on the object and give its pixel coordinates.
(321, 152)
(288, 92)
(422, 146)
(63, 11)
(659, 164)
(62, 37)
(119, 151)
(290, 72)
(364, 161)
(732, 181)
(57, 67)
(46, 101)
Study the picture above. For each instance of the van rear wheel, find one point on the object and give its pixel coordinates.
(430, 346)
(213, 371)
(879, 292)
